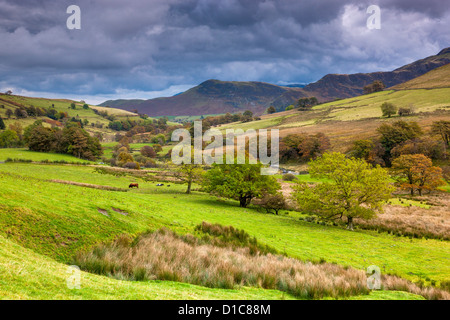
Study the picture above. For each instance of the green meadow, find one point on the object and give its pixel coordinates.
(57, 220)
(25, 154)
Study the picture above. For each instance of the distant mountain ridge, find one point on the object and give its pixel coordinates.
(215, 96)
(334, 86)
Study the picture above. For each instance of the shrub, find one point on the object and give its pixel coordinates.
(148, 151)
(388, 109)
(405, 111)
(150, 163)
(273, 203)
(289, 177)
(132, 165)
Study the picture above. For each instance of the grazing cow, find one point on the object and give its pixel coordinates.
(168, 185)
(159, 185)
(133, 185)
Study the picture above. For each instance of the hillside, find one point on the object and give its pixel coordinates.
(334, 86)
(44, 227)
(437, 78)
(53, 211)
(346, 120)
(215, 97)
(13, 102)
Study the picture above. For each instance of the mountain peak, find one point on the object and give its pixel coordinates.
(444, 51)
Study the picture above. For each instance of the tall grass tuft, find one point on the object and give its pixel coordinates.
(164, 255)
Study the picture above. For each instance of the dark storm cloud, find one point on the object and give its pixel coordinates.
(145, 46)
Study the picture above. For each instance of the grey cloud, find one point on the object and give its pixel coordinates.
(152, 45)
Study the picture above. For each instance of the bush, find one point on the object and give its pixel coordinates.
(132, 165)
(272, 203)
(405, 111)
(148, 151)
(388, 109)
(150, 163)
(289, 177)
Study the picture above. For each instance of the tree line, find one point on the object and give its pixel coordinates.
(72, 139)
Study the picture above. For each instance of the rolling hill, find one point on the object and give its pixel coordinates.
(215, 96)
(12, 102)
(437, 78)
(346, 120)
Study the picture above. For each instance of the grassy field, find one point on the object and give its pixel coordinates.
(59, 104)
(359, 108)
(258, 124)
(368, 106)
(62, 219)
(25, 274)
(437, 78)
(25, 154)
(346, 120)
(43, 224)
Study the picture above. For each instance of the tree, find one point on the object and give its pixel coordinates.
(442, 129)
(289, 107)
(78, 142)
(361, 149)
(247, 116)
(159, 139)
(427, 146)
(313, 146)
(241, 182)
(273, 203)
(303, 147)
(9, 113)
(189, 173)
(8, 139)
(371, 151)
(71, 140)
(307, 103)
(271, 110)
(72, 106)
(123, 143)
(99, 136)
(396, 133)
(406, 111)
(352, 188)
(416, 171)
(375, 86)
(78, 145)
(20, 113)
(18, 129)
(157, 147)
(8, 93)
(124, 157)
(388, 109)
(148, 151)
(85, 106)
(40, 139)
(378, 86)
(2, 124)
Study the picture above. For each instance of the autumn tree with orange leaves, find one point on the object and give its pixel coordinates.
(416, 172)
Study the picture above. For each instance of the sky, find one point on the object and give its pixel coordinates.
(141, 49)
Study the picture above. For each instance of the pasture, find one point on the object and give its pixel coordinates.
(73, 222)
